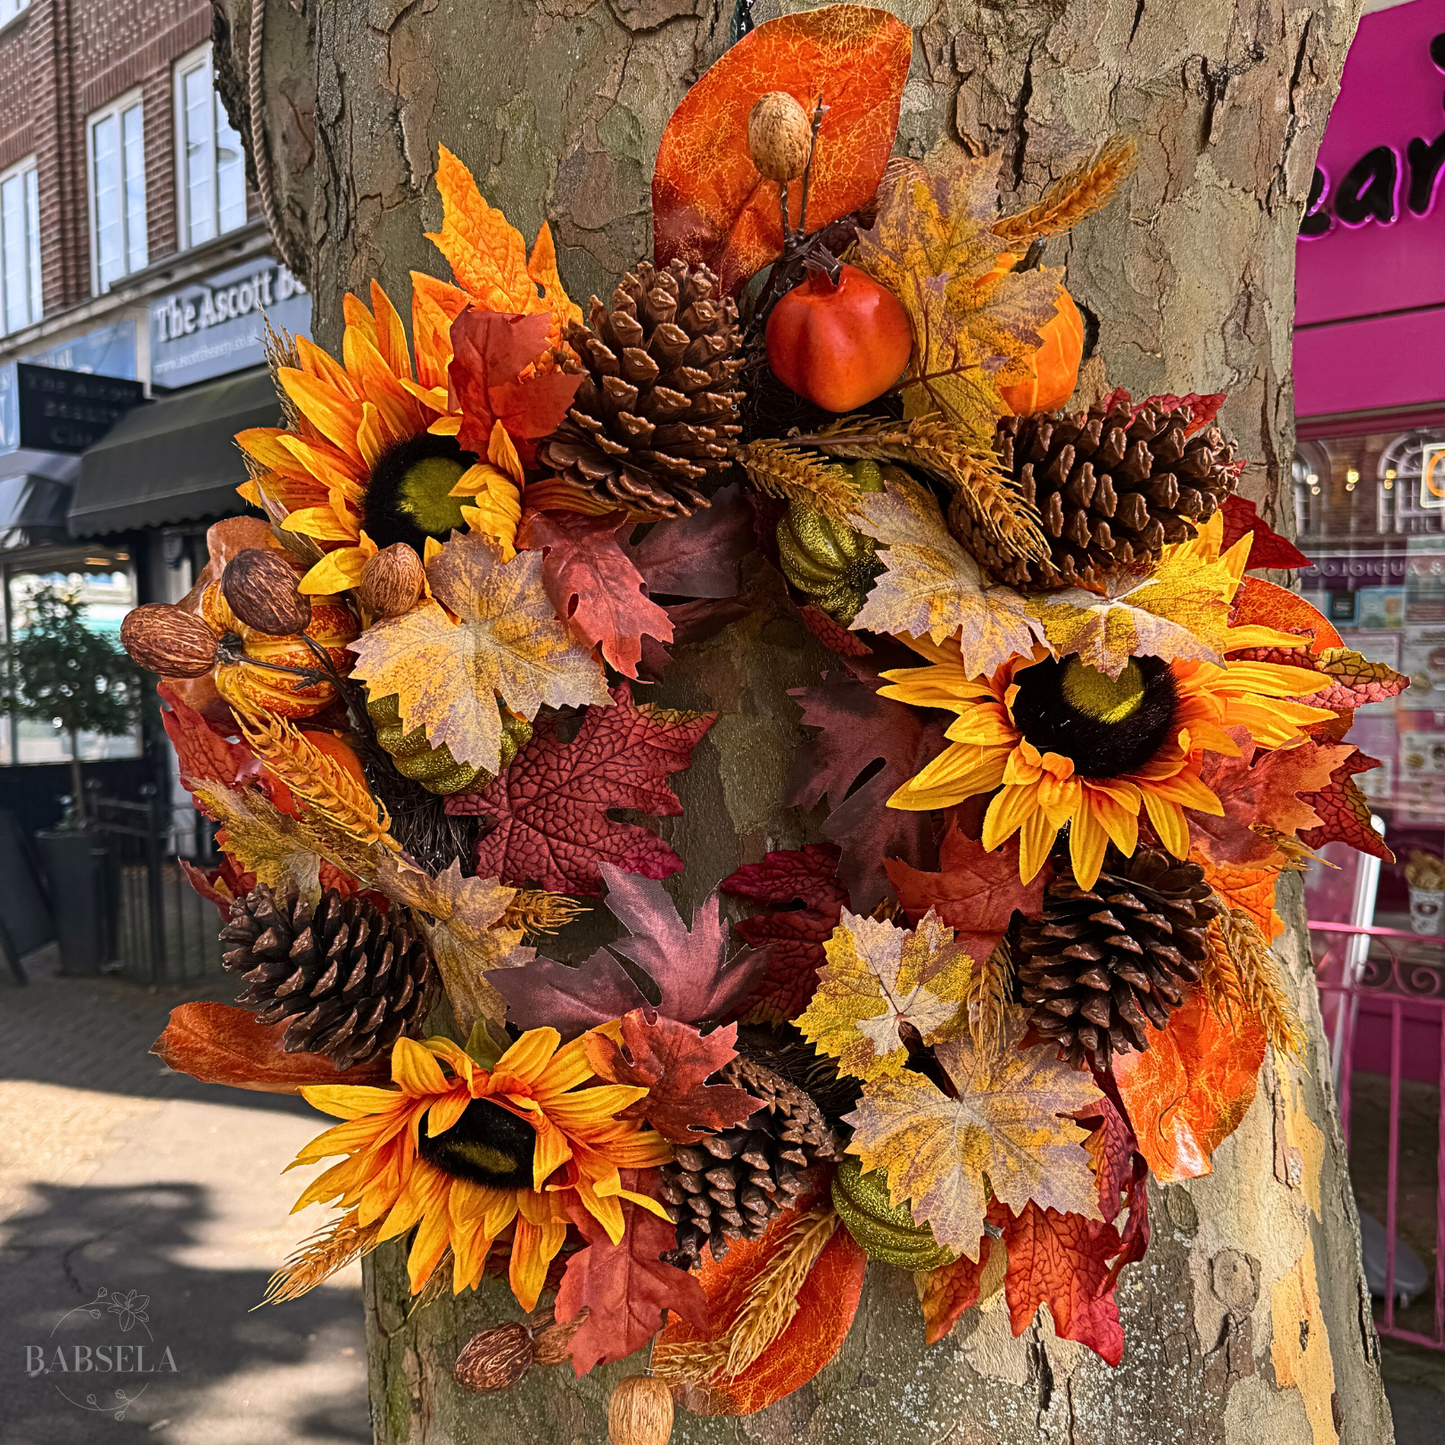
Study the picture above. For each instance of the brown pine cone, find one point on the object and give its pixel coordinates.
(729, 1185)
(1101, 962)
(655, 411)
(1110, 491)
(350, 978)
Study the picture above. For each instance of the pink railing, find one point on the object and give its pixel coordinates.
(1382, 994)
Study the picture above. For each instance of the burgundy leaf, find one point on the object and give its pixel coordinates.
(1268, 548)
(699, 556)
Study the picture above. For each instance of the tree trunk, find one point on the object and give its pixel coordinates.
(1249, 1320)
(77, 782)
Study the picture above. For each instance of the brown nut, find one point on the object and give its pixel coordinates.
(392, 581)
(640, 1411)
(495, 1358)
(779, 135)
(168, 640)
(260, 588)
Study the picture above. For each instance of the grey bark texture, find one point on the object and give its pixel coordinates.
(1248, 1323)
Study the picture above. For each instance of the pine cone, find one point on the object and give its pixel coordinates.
(350, 978)
(1110, 491)
(655, 411)
(730, 1185)
(1101, 962)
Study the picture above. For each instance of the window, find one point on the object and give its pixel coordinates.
(212, 170)
(117, 192)
(9, 9)
(19, 247)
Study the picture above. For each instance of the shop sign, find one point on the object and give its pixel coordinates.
(106, 351)
(216, 326)
(45, 409)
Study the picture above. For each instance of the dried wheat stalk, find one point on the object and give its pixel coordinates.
(1242, 975)
(321, 1256)
(782, 469)
(534, 910)
(989, 995)
(1084, 190)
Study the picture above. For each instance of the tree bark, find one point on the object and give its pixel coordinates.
(1248, 1322)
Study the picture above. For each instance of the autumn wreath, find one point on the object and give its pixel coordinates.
(1067, 745)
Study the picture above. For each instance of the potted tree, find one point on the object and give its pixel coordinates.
(60, 670)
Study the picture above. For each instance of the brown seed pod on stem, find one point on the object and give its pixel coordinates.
(260, 588)
(168, 640)
(779, 136)
(640, 1412)
(392, 581)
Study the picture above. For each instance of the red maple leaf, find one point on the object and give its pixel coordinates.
(549, 809)
(625, 1286)
(1345, 811)
(1112, 1148)
(794, 936)
(592, 583)
(1202, 409)
(490, 351)
(951, 1289)
(1063, 1260)
(832, 634)
(673, 1063)
(699, 556)
(204, 754)
(689, 967)
(976, 893)
(1268, 549)
(863, 733)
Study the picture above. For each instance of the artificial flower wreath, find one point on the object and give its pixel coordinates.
(1068, 744)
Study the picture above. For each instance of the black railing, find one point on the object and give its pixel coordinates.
(160, 929)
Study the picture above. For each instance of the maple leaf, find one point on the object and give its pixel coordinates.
(950, 1289)
(1008, 1129)
(794, 937)
(1354, 679)
(593, 584)
(673, 1062)
(1267, 547)
(448, 675)
(462, 929)
(201, 752)
(859, 731)
(261, 839)
(1112, 1149)
(975, 323)
(1062, 1260)
(1345, 812)
(879, 979)
(709, 204)
(699, 556)
(932, 588)
(549, 809)
(832, 634)
(625, 1287)
(1246, 888)
(689, 967)
(1189, 1090)
(490, 352)
(975, 893)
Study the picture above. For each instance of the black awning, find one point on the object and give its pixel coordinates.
(32, 511)
(175, 460)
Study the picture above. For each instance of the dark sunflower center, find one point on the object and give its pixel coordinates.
(408, 498)
(1105, 725)
(488, 1145)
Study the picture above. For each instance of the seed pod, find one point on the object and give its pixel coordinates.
(640, 1412)
(553, 1343)
(495, 1358)
(391, 582)
(779, 135)
(168, 640)
(260, 587)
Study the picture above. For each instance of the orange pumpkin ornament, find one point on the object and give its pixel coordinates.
(1055, 365)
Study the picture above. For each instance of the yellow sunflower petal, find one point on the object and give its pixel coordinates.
(337, 571)
(320, 523)
(527, 1059)
(348, 1101)
(415, 1070)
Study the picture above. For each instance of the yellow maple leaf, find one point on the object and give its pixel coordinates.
(879, 977)
(507, 642)
(931, 587)
(1005, 1133)
(975, 320)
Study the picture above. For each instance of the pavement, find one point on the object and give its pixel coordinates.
(141, 1214)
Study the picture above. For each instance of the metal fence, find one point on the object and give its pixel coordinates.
(160, 929)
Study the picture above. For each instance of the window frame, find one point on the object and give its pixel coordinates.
(34, 279)
(21, 6)
(202, 55)
(117, 108)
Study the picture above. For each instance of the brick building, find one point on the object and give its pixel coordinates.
(135, 268)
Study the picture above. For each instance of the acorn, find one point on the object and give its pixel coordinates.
(495, 1358)
(260, 588)
(392, 581)
(640, 1411)
(169, 640)
(779, 136)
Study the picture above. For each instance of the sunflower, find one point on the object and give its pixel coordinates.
(372, 457)
(1066, 745)
(520, 1144)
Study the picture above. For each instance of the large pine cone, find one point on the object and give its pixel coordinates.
(729, 1185)
(351, 978)
(1101, 962)
(655, 411)
(1110, 491)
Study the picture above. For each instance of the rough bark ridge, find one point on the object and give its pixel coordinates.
(1248, 1322)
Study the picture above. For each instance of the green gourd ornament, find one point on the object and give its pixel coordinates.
(435, 768)
(885, 1231)
(829, 562)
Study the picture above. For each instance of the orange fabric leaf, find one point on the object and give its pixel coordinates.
(219, 1043)
(486, 252)
(709, 204)
(1251, 889)
(1262, 604)
(1345, 812)
(1189, 1090)
(949, 1290)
